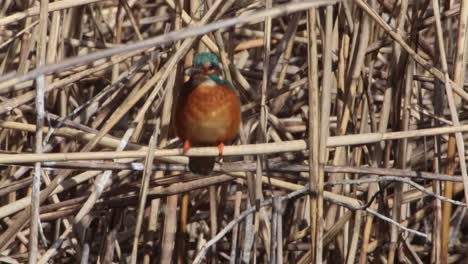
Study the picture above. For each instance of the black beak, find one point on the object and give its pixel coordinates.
(192, 70)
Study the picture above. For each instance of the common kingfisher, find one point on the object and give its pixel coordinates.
(207, 112)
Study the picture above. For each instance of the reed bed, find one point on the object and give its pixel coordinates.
(351, 149)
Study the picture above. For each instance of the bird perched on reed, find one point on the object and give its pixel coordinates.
(207, 111)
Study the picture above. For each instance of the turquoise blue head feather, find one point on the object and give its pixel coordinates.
(206, 60)
(204, 63)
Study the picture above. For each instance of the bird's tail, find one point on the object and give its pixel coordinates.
(201, 165)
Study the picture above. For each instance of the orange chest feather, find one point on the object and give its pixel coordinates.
(207, 101)
(208, 114)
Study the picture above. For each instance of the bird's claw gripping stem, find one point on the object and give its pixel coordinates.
(186, 146)
(221, 150)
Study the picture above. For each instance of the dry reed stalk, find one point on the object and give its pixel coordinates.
(262, 137)
(327, 84)
(40, 104)
(144, 191)
(314, 131)
(266, 148)
(457, 138)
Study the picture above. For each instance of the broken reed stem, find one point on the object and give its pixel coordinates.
(177, 188)
(269, 202)
(398, 38)
(167, 38)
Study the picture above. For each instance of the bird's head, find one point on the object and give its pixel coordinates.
(206, 70)
(205, 62)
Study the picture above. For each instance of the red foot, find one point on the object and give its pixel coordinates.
(221, 149)
(186, 146)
